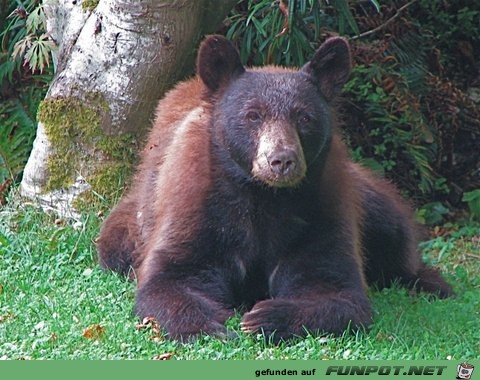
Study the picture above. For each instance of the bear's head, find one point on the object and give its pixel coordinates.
(273, 123)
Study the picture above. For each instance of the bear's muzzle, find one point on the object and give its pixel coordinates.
(279, 161)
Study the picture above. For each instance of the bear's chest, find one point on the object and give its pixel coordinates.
(259, 228)
(249, 236)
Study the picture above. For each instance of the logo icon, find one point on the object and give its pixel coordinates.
(464, 371)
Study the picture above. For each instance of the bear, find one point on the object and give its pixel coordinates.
(246, 199)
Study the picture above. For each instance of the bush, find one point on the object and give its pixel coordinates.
(24, 76)
(286, 32)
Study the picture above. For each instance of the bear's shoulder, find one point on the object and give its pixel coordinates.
(173, 109)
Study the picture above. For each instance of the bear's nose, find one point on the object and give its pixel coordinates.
(283, 162)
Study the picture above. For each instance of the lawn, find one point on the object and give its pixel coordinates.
(55, 303)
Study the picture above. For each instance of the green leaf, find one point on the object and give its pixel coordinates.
(431, 213)
(16, 136)
(471, 196)
(345, 16)
(21, 47)
(36, 21)
(473, 200)
(376, 5)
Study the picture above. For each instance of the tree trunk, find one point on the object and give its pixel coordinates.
(115, 59)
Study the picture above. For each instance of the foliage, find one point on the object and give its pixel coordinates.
(473, 200)
(432, 213)
(14, 144)
(286, 32)
(32, 42)
(386, 132)
(424, 107)
(455, 26)
(56, 303)
(24, 75)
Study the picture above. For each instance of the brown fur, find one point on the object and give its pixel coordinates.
(172, 156)
(338, 193)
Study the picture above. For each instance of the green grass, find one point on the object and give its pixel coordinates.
(52, 291)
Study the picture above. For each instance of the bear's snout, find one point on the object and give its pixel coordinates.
(279, 160)
(282, 162)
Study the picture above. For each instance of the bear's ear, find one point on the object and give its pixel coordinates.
(331, 65)
(218, 62)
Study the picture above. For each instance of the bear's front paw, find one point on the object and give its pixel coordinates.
(184, 315)
(275, 318)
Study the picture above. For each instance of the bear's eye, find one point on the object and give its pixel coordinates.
(253, 116)
(304, 119)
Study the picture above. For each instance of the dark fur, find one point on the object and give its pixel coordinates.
(214, 222)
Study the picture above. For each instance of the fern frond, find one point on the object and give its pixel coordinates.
(16, 136)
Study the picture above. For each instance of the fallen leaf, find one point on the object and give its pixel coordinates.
(166, 356)
(4, 317)
(93, 332)
(150, 323)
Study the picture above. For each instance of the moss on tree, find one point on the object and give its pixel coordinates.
(81, 148)
(89, 5)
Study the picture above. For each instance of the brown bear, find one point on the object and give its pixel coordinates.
(246, 197)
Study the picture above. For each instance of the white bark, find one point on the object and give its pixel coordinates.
(129, 52)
